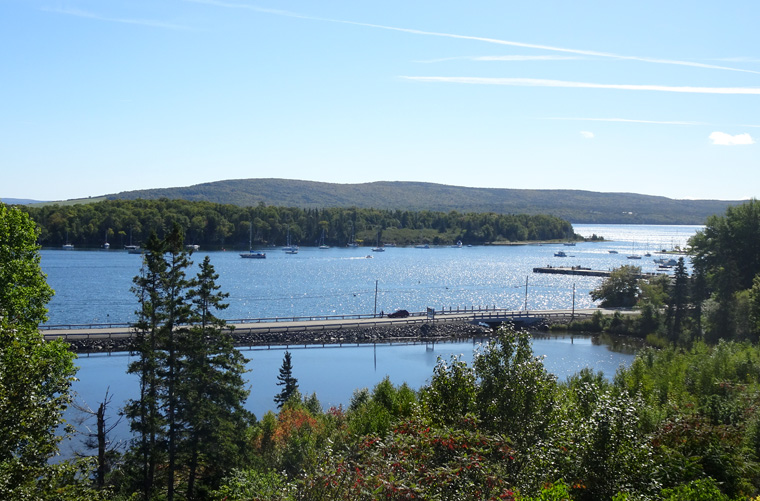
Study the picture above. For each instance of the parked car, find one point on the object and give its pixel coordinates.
(398, 314)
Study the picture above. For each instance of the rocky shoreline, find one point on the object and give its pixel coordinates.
(353, 335)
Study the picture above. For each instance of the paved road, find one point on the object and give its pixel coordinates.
(486, 316)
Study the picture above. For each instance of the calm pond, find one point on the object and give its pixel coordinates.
(334, 373)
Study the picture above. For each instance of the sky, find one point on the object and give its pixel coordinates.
(651, 97)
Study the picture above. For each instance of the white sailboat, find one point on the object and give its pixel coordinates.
(251, 254)
(67, 245)
(378, 247)
(290, 248)
(352, 242)
(633, 255)
(322, 244)
(132, 249)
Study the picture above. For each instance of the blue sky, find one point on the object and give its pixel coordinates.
(659, 98)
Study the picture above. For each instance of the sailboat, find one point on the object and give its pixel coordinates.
(322, 244)
(106, 245)
(290, 248)
(633, 256)
(352, 243)
(251, 254)
(67, 245)
(378, 248)
(132, 249)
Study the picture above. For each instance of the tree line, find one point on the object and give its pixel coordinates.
(212, 225)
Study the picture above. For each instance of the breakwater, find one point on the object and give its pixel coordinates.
(426, 331)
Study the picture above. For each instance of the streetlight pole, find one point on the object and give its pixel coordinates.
(375, 314)
(526, 293)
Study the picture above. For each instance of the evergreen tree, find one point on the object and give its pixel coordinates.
(190, 416)
(174, 332)
(679, 299)
(725, 254)
(286, 380)
(145, 417)
(213, 389)
(162, 324)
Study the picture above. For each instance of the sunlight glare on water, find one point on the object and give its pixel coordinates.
(94, 286)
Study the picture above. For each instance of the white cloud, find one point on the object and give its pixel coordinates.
(587, 134)
(518, 58)
(545, 47)
(582, 52)
(537, 82)
(525, 58)
(723, 139)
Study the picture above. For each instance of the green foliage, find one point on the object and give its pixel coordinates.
(558, 491)
(451, 393)
(725, 256)
(24, 293)
(211, 388)
(516, 395)
(245, 485)
(189, 422)
(415, 460)
(704, 489)
(286, 380)
(374, 413)
(727, 248)
(221, 225)
(621, 288)
(35, 377)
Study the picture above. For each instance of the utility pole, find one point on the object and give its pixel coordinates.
(572, 316)
(526, 293)
(375, 314)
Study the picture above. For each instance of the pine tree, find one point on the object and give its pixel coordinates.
(213, 389)
(190, 416)
(162, 323)
(286, 380)
(679, 300)
(144, 414)
(174, 332)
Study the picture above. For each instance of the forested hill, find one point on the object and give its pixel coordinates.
(574, 205)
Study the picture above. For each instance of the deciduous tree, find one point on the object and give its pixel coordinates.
(35, 375)
(621, 288)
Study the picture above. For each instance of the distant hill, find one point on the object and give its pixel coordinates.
(576, 206)
(19, 201)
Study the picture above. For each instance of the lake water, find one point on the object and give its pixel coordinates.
(93, 287)
(334, 373)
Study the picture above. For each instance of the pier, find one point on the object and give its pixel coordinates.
(581, 271)
(572, 270)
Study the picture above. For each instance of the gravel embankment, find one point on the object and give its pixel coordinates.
(354, 335)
